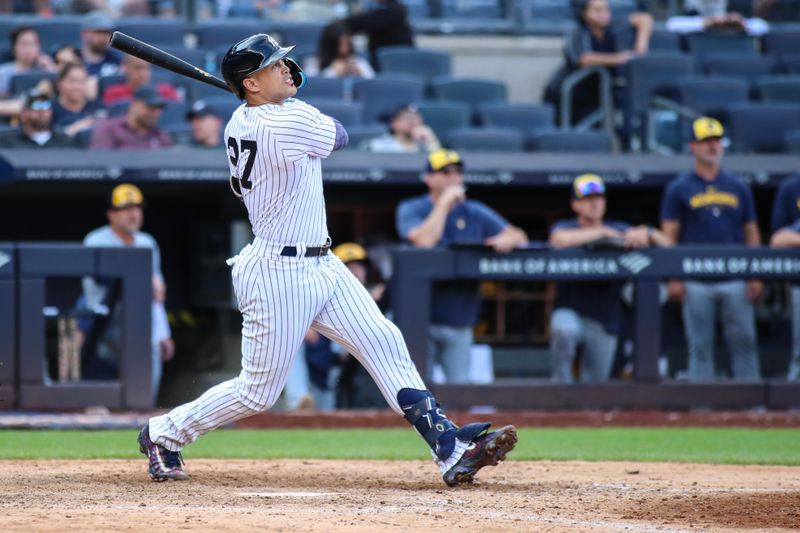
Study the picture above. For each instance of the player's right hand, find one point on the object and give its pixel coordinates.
(452, 195)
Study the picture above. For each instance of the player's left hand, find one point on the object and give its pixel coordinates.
(754, 289)
(638, 237)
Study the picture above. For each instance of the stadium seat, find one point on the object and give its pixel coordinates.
(711, 43)
(417, 10)
(571, 141)
(712, 96)
(621, 11)
(26, 81)
(359, 134)
(472, 92)
(407, 60)
(223, 104)
(473, 9)
(83, 137)
(661, 41)
(173, 113)
(194, 56)
(200, 91)
(761, 127)
(790, 63)
(216, 34)
(548, 17)
(647, 76)
(443, 117)
(303, 35)
(792, 141)
(155, 31)
(350, 114)
(385, 93)
(748, 68)
(58, 31)
(779, 88)
(486, 139)
(779, 41)
(320, 87)
(525, 118)
(180, 132)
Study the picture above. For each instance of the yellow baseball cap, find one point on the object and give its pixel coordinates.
(588, 185)
(350, 251)
(441, 158)
(125, 195)
(707, 128)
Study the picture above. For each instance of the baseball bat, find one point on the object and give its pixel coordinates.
(151, 54)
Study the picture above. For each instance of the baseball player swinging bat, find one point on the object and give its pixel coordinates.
(151, 54)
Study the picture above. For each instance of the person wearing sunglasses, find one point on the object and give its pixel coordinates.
(586, 313)
(36, 125)
(442, 217)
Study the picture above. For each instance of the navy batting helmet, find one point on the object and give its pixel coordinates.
(252, 54)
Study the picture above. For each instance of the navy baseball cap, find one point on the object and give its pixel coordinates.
(150, 96)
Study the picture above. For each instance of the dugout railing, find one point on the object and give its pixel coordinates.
(415, 271)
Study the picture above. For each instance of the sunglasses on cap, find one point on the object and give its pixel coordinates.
(40, 105)
(588, 186)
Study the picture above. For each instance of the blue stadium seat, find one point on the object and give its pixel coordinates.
(748, 68)
(223, 104)
(549, 17)
(303, 35)
(180, 132)
(58, 31)
(711, 96)
(779, 88)
(26, 81)
(155, 31)
(761, 127)
(571, 141)
(711, 43)
(474, 16)
(200, 91)
(525, 118)
(791, 141)
(443, 117)
(173, 113)
(408, 60)
(486, 139)
(647, 76)
(385, 93)
(361, 133)
(417, 9)
(320, 87)
(790, 63)
(350, 114)
(472, 92)
(194, 56)
(218, 34)
(779, 41)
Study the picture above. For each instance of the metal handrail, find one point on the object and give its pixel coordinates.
(604, 115)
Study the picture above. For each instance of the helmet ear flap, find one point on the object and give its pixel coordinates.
(298, 76)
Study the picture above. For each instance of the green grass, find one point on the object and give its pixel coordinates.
(696, 445)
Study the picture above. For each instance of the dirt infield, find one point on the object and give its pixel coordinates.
(368, 496)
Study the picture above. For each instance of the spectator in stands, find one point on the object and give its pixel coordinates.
(27, 52)
(446, 217)
(98, 56)
(36, 126)
(407, 134)
(702, 15)
(206, 126)
(786, 228)
(710, 206)
(125, 218)
(67, 54)
(138, 72)
(593, 43)
(586, 314)
(336, 56)
(138, 129)
(385, 25)
(72, 111)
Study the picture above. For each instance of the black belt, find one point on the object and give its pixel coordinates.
(311, 251)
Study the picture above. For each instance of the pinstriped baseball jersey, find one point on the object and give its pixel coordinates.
(282, 188)
(275, 157)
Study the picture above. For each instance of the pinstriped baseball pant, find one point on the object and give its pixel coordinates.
(280, 298)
